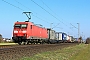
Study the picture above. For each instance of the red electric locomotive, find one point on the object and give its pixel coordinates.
(27, 32)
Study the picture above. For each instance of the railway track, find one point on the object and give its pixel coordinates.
(19, 51)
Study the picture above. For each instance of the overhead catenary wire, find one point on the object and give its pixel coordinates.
(74, 26)
(49, 13)
(36, 13)
(39, 18)
(49, 8)
(22, 5)
(54, 13)
(28, 8)
(46, 10)
(13, 5)
(22, 9)
(33, 11)
(56, 25)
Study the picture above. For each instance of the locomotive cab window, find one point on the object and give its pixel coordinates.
(17, 26)
(20, 26)
(24, 26)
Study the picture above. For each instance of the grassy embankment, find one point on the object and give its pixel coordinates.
(7, 43)
(78, 52)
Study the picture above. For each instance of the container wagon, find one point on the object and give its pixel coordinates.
(71, 39)
(62, 37)
(59, 37)
(68, 39)
(51, 36)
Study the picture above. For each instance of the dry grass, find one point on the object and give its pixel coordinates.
(7, 43)
(82, 54)
(79, 52)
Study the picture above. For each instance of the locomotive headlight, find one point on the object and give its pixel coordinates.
(15, 31)
(23, 31)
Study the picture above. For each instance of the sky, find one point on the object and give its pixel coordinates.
(61, 15)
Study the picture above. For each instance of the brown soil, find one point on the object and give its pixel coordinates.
(17, 52)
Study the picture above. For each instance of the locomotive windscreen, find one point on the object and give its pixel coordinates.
(20, 26)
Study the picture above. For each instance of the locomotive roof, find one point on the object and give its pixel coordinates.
(24, 23)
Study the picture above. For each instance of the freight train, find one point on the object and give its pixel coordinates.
(28, 32)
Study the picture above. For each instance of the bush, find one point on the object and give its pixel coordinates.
(1, 39)
(88, 40)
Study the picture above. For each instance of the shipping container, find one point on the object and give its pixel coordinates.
(71, 39)
(62, 36)
(59, 37)
(52, 36)
(68, 39)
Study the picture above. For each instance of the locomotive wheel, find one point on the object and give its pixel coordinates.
(27, 42)
(43, 42)
(24, 43)
(19, 43)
